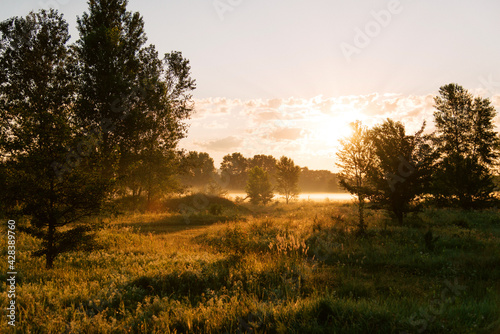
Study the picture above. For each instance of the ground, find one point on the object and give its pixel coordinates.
(298, 268)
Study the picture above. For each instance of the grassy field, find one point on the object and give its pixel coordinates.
(297, 268)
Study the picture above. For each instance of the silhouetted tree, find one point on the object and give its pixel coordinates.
(137, 101)
(354, 160)
(37, 133)
(402, 167)
(258, 188)
(287, 178)
(468, 147)
(197, 168)
(234, 168)
(108, 53)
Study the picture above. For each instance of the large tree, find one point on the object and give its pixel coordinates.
(468, 147)
(354, 160)
(108, 53)
(155, 130)
(402, 167)
(38, 136)
(287, 178)
(136, 100)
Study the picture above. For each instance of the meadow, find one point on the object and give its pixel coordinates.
(239, 268)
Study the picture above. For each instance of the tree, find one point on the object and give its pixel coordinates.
(258, 187)
(318, 180)
(166, 102)
(234, 167)
(468, 147)
(137, 101)
(39, 137)
(402, 168)
(287, 178)
(354, 161)
(197, 168)
(108, 53)
(267, 163)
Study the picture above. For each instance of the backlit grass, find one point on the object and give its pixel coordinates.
(297, 268)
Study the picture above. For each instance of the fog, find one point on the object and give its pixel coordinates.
(336, 197)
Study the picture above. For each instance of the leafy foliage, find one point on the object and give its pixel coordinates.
(468, 146)
(36, 109)
(234, 167)
(267, 163)
(355, 160)
(287, 178)
(197, 169)
(135, 99)
(402, 169)
(258, 187)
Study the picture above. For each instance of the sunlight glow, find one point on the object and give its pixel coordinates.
(337, 126)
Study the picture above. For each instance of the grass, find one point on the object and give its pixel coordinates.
(297, 268)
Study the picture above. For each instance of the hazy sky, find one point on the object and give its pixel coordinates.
(285, 77)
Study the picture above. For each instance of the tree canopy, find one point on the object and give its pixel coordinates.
(258, 187)
(287, 178)
(86, 123)
(36, 113)
(136, 100)
(454, 166)
(401, 169)
(468, 147)
(355, 160)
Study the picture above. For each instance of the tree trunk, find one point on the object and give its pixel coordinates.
(50, 252)
(361, 207)
(399, 216)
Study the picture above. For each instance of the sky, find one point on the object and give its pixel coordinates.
(286, 77)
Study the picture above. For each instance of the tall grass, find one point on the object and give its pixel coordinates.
(296, 268)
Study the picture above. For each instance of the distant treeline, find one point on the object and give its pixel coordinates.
(197, 170)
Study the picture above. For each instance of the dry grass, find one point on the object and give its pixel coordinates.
(282, 269)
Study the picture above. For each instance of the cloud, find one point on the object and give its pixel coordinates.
(496, 101)
(264, 116)
(301, 127)
(274, 103)
(286, 134)
(214, 106)
(215, 125)
(225, 144)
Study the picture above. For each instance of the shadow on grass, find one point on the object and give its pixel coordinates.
(223, 278)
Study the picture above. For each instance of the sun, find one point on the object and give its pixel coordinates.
(331, 132)
(334, 127)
